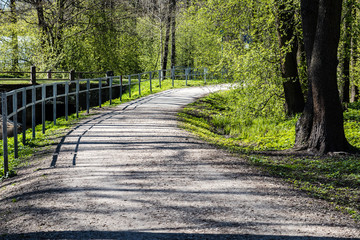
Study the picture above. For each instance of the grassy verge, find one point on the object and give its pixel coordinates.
(335, 179)
(55, 132)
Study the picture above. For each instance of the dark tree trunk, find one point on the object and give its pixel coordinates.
(14, 39)
(166, 43)
(301, 61)
(60, 27)
(294, 98)
(173, 33)
(309, 13)
(345, 67)
(321, 28)
(41, 21)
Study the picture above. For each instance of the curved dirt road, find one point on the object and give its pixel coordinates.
(130, 173)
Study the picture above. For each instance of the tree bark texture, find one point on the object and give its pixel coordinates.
(41, 20)
(294, 98)
(58, 39)
(322, 132)
(309, 13)
(167, 39)
(173, 33)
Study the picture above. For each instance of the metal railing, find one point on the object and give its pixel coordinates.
(15, 103)
(49, 76)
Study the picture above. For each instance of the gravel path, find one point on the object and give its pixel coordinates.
(130, 173)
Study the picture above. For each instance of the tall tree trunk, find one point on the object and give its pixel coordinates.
(309, 12)
(294, 98)
(167, 39)
(161, 43)
(354, 88)
(14, 38)
(321, 28)
(345, 67)
(301, 60)
(173, 33)
(41, 22)
(58, 40)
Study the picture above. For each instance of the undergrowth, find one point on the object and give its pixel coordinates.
(216, 119)
(54, 132)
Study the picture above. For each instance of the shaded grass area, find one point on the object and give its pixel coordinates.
(53, 134)
(259, 140)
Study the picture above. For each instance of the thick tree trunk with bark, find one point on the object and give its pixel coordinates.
(309, 12)
(167, 39)
(294, 98)
(320, 129)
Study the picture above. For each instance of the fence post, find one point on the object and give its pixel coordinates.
(163, 75)
(108, 75)
(33, 118)
(43, 107)
(110, 90)
(186, 76)
(160, 73)
(33, 75)
(4, 132)
(49, 74)
(72, 75)
(139, 78)
(66, 101)
(100, 87)
(87, 96)
(54, 102)
(15, 120)
(121, 86)
(129, 86)
(173, 75)
(77, 98)
(205, 71)
(24, 115)
(150, 82)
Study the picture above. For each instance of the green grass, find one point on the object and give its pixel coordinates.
(335, 179)
(53, 133)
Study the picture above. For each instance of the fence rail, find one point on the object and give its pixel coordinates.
(34, 75)
(15, 104)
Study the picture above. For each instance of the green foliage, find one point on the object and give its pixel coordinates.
(255, 130)
(238, 37)
(85, 36)
(352, 124)
(198, 42)
(149, 44)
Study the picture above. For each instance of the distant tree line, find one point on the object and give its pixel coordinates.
(97, 35)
